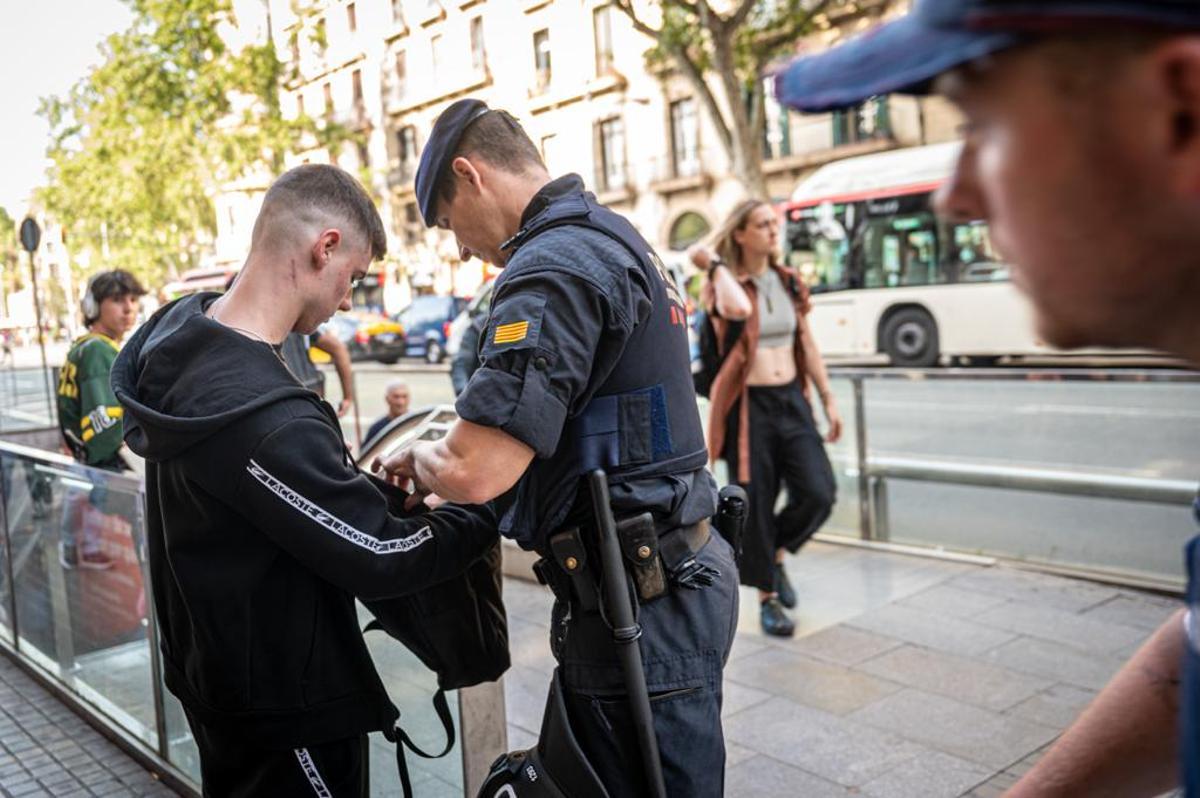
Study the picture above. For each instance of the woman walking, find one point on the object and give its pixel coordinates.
(760, 419)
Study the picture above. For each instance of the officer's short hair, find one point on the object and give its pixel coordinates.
(115, 284)
(315, 191)
(498, 138)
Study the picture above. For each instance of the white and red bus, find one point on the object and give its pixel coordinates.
(889, 277)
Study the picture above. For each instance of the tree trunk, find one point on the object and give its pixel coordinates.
(746, 155)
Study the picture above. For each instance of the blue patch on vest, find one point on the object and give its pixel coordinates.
(625, 429)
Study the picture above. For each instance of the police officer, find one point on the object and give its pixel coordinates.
(1082, 152)
(584, 364)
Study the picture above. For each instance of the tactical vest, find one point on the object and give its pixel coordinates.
(642, 421)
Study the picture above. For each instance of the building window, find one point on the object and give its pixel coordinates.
(401, 73)
(602, 35)
(398, 11)
(777, 132)
(864, 122)
(685, 136)
(612, 154)
(356, 88)
(299, 105)
(295, 44)
(351, 18)
(435, 47)
(328, 91)
(364, 155)
(541, 58)
(412, 224)
(406, 149)
(478, 49)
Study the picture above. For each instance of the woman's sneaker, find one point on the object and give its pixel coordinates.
(774, 620)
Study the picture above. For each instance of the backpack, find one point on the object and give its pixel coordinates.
(457, 628)
(712, 356)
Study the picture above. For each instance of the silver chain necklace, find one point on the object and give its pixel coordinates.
(212, 314)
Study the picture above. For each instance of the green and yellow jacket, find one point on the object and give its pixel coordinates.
(89, 416)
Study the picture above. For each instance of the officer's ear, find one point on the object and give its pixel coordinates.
(1175, 66)
(464, 170)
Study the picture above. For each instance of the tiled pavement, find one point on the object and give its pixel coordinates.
(45, 749)
(908, 676)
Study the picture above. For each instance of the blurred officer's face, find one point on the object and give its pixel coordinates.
(1088, 172)
(118, 315)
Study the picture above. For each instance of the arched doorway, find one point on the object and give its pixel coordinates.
(689, 228)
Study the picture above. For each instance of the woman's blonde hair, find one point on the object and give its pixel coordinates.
(727, 248)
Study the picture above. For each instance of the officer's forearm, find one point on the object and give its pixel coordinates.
(1124, 743)
(473, 464)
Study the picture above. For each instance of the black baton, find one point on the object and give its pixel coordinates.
(626, 632)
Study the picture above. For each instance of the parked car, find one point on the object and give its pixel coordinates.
(426, 325)
(368, 337)
(478, 304)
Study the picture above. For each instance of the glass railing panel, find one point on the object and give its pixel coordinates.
(181, 746)
(843, 458)
(26, 399)
(81, 606)
(411, 686)
(6, 594)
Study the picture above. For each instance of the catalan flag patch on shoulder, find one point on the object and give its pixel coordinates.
(511, 333)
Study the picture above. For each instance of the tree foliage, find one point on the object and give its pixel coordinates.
(10, 277)
(140, 145)
(724, 51)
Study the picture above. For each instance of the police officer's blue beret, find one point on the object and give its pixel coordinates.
(439, 150)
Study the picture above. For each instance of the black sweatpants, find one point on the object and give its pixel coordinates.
(785, 451)
(232, 766)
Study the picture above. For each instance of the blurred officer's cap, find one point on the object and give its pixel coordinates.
(905, 55)
(439, 151)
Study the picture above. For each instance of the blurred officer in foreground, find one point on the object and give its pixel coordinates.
(1082, 152)
(261, 531)
(584, 364)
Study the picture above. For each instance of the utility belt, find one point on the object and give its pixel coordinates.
(655, 562)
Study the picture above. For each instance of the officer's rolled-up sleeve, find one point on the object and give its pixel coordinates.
(537, 356)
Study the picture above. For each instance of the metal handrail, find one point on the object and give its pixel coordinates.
(1040, 480)
(1021, 374)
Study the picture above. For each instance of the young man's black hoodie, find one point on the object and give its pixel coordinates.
(260, 533)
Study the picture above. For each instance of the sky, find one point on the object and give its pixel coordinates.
(49, 45)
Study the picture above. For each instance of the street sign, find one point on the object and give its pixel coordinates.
(31, 234)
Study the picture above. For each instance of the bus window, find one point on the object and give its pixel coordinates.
(971, 254)
(901, 251)
(818, 250)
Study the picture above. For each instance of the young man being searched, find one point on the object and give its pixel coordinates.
(1082, 152)
(261, 531)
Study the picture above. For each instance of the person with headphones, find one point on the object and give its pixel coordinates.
(89, 416)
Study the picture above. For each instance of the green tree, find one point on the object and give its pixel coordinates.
(141, 144)
(724, 52)
(10, 259)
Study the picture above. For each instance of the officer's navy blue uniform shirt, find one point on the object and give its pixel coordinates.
(565, 305)
(1189, 743)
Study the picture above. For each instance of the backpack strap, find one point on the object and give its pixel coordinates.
(402, 740)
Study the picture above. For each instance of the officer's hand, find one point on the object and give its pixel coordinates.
(400, 468)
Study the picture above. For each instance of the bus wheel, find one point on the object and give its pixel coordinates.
(910, 338)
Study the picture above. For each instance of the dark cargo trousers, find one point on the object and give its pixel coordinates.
(686, 637)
